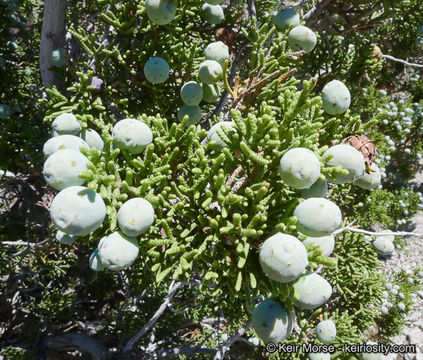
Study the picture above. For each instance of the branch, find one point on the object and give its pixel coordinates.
(349, 228)
(313, 15)
(23, 243)
(19, 243)
(227, 344)
(389, 57)
(77, 341)
(191, 351)
(255, 85)
(52, 37)
(172, 291)
(326, 41)
(246, 181)
(252, 10)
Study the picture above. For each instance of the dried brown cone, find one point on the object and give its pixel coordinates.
(226, 35)
(365, 145)
(377, 53)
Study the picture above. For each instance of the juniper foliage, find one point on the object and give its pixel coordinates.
(215, 207)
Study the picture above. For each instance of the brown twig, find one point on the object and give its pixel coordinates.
(231, 179)
(69, 65)
(257, 85)
(250, 179)
(295, 55)
(283, 77)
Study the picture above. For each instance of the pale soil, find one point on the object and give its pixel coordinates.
(411, 257)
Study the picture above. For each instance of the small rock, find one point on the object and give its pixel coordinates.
(98, 83)
(415, 336)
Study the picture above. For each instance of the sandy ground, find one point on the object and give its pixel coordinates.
(411, 257)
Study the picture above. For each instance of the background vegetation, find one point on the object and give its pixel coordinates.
(50, 296)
